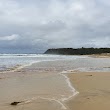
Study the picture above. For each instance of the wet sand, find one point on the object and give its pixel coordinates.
(94, 91)
(44, 91)
(34, 91)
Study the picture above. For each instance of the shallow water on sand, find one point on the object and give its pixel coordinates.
(42, 86)
(33, 91)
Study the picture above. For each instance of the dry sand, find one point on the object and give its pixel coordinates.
(94, 91)
(103, 55)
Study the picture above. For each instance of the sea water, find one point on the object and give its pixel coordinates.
(8, 61)
(62, 62)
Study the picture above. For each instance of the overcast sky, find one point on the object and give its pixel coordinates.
(30, 26)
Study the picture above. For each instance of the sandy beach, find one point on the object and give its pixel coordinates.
(57, 85)
(41, 91)
(93, 88)
(94, 91)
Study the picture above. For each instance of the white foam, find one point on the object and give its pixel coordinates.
(15, 68)
(49, 99)
(53, 99)
(20, 67)
(74, 92)
(26, 65)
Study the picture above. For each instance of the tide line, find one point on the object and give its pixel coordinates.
(49, 99)
(74, 92)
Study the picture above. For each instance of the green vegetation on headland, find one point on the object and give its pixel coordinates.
(78, 51)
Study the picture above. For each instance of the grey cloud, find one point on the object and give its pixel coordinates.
(42, 24)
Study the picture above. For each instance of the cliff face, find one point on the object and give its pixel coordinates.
(79, 51)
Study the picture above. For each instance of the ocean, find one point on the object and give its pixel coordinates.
(9, 62)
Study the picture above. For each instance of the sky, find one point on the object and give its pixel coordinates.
(33, 26)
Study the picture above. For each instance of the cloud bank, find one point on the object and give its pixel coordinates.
(32, 26)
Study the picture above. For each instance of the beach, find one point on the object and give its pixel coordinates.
(54, 83)
(94, 91)
(92, 87)
(34, 91)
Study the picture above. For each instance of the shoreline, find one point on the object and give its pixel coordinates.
(74, 82)
(56, 94)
